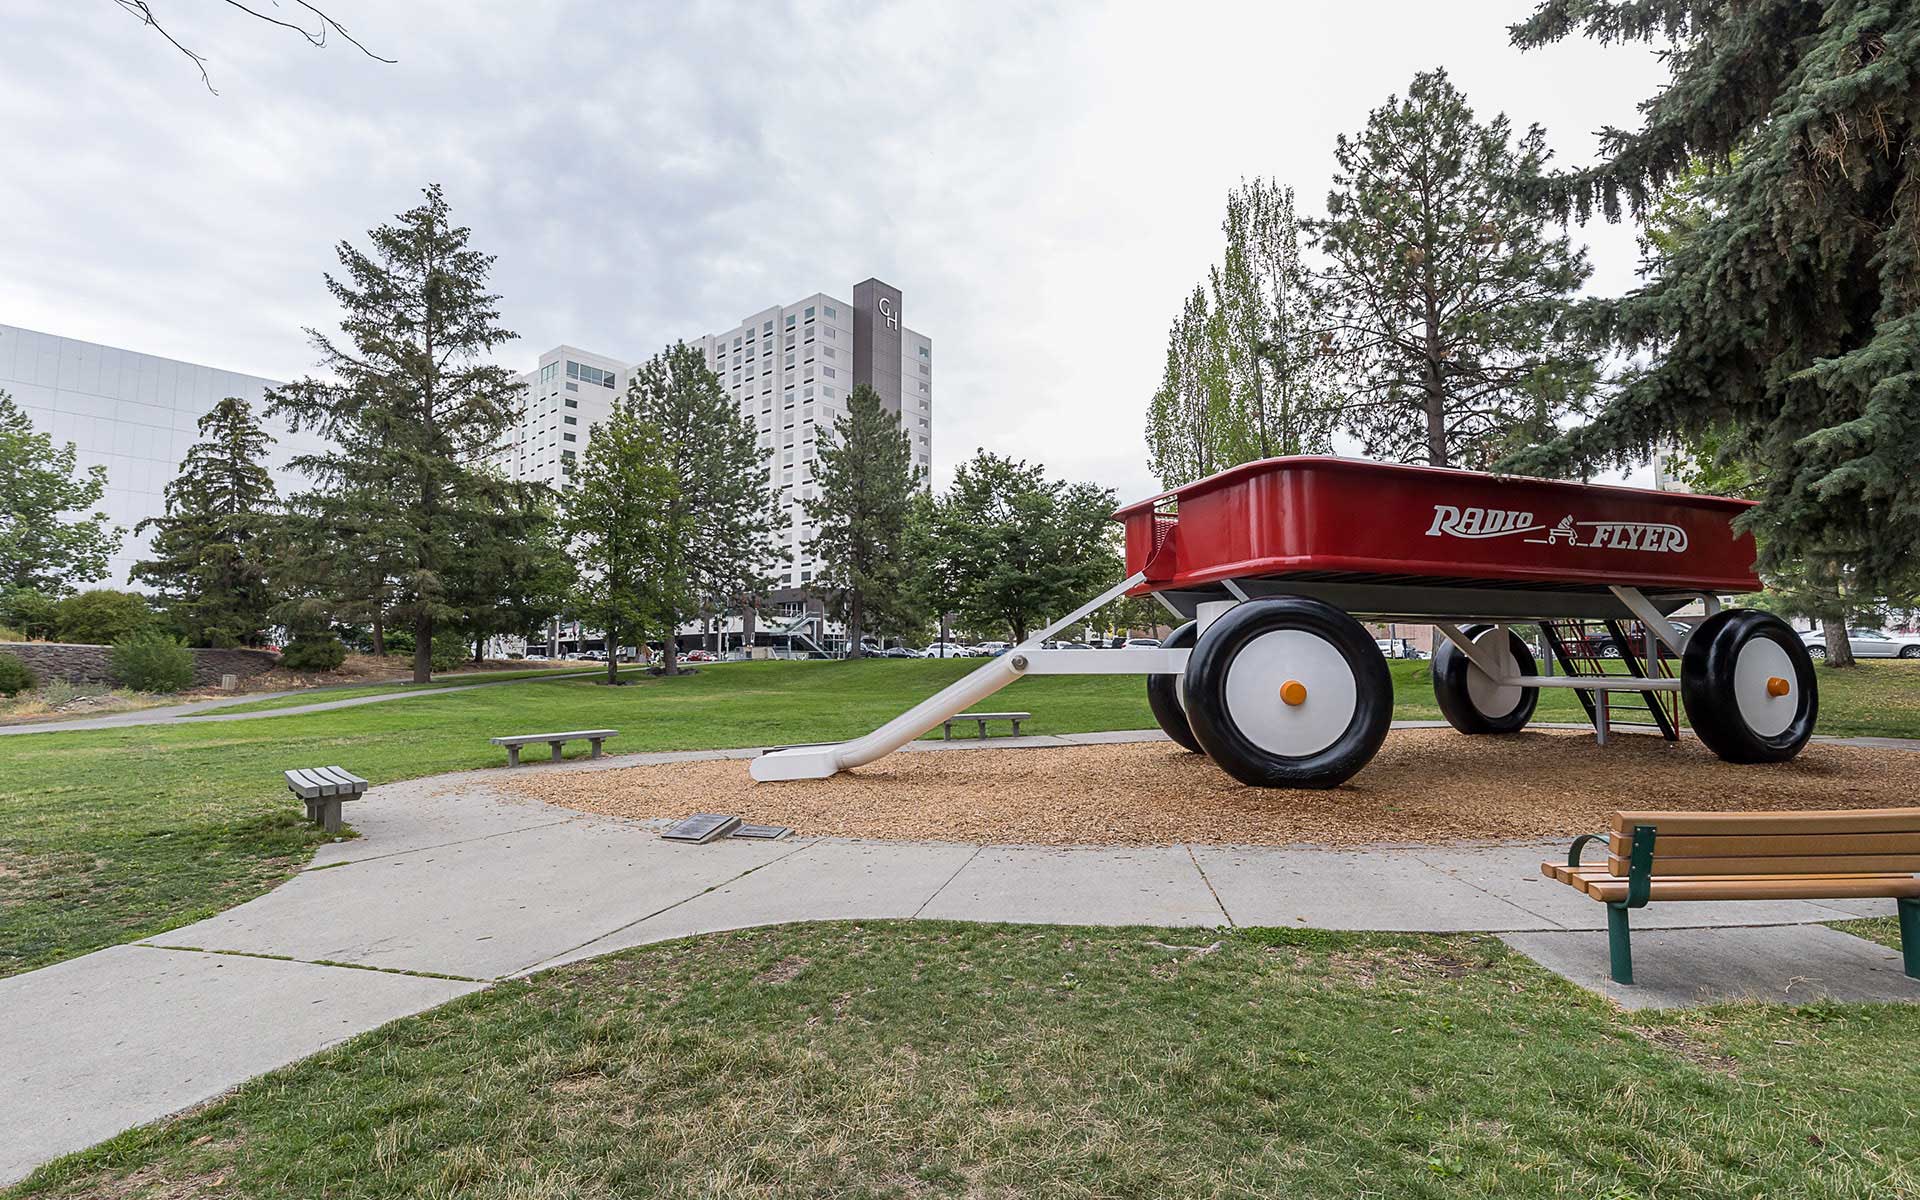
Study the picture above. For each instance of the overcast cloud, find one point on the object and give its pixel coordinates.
(1043, 182)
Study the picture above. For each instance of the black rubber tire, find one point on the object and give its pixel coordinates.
(1817, 653)
(1450, 668)
(1220, 736)
(1910, 652)
(1707, 687)
(1163, 692)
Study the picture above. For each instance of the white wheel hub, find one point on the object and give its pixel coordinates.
(1759, 662)
(1267, 664)
(1490, 698)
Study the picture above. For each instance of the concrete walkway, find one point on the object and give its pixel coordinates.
(199, 711)
(456, 883)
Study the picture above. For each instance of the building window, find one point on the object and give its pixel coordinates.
(832, 334)
(768, 328)
(809, 312)
(926, 352)
(573, 403)
(925, 369)
(549, 371)
(572, 386)
(576, 420)
(828, 371)
(567, 437)
(832, 311)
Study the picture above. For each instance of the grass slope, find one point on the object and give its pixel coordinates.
(950, 1060)
(111, 835)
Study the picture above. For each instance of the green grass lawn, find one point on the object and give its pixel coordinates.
(928, 1060)
(111, 835)
(321, 695)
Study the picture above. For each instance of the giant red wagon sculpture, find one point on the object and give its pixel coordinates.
(1268, 566)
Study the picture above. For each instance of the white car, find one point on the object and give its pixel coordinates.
(1866, 643)
(989, 649)
(946, 650)
(1143, 643)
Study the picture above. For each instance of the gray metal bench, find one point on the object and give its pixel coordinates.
(556, 740)
(323, 788)
(946, 727)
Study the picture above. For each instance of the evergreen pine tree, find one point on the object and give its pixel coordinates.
(721, 518)
(1787, 321)
(411, 408)
(1446, 304)
(210, 565)
(865, 481)
(45, 546)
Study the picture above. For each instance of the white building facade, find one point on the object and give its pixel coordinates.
(569, 392)
(136, 415)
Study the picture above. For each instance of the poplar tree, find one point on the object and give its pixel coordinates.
(46, 545)
(721, 519)
(1447, 305)
(210, 561)
(1787, 322)
(1243, 377)
(865, 483)
(616, 517)
(411, 408)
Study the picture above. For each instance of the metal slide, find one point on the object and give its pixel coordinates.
(819, 762)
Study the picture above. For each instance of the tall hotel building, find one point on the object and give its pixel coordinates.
(568, 393)
(790, 369)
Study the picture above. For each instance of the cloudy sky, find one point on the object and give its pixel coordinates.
(1044, 182)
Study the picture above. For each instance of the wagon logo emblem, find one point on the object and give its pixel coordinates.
(1656, 537)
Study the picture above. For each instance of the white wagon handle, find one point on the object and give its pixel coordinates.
(819, 762)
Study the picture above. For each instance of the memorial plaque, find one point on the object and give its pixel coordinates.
(701, 828)
(769, 832)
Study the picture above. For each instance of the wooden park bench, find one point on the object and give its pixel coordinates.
(323, 788)
(556, 740)
(1836, 855)
(946, 727)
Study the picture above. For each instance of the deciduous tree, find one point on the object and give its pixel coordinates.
(721, 519)
(45, 544)
(1018, 548)
(618, 523)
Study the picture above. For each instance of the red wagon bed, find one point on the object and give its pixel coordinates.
(1407, 540)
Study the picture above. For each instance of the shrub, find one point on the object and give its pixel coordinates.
(151, 661)
(10, 635)
(102, 617)
(314, 652)
(397, 642)
(449, 651)
(15, 676)
(29, 611)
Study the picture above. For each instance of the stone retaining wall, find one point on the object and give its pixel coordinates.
(90, 664)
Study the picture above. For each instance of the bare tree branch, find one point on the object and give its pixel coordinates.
(142, 10)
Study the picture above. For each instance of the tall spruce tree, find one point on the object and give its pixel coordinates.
(1446, 303)
(45, 545)
(865, 481)
(210, 563)
(618, 523)
(1786, 323)
(1243, 377)
(722, 518)
(1017, 548)
(410, 408)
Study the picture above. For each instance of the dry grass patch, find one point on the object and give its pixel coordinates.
(1425, 785)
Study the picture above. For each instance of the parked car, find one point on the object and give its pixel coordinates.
(592, 655)
(698, 656)
(1866, 643)
(992, 649)
(1142, 644)
(1600, 643)
(946, 650)
(894, 652)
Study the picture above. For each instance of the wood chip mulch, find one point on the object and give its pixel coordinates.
(1424, 786)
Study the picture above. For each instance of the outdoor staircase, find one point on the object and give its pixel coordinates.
(1573, 654)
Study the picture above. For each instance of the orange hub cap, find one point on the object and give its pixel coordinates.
(1777, 686)
(1293, 692)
